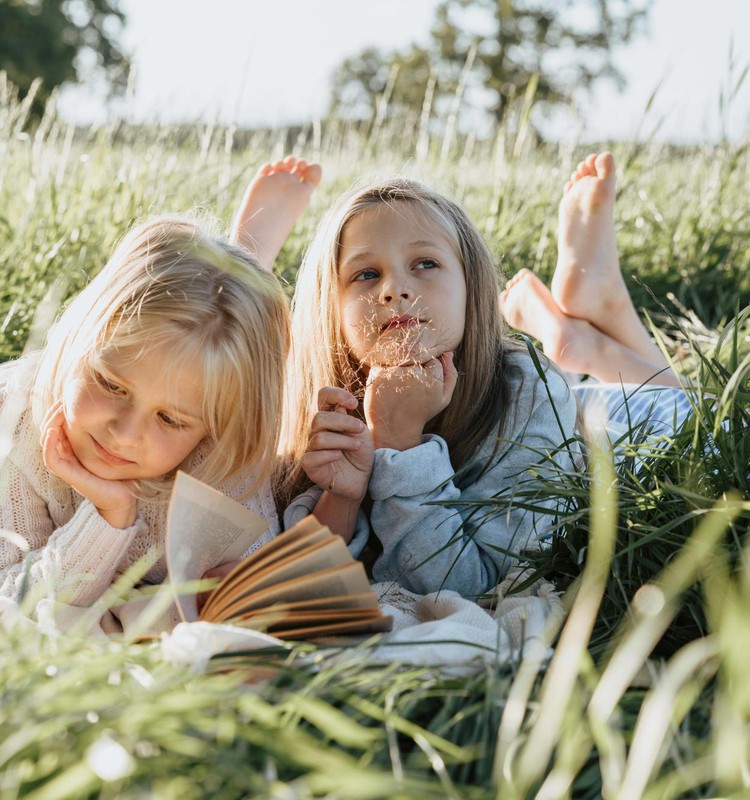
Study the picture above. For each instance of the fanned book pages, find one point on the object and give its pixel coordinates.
(302, 584)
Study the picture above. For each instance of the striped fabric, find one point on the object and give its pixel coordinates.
(618, 408)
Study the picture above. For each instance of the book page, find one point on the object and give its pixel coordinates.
(348, 579)
(316, 558)
(204, 529)
(379, 625)
(346, 602)
(275, 620)
(296, 540)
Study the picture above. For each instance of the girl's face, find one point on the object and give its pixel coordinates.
(134, 419)
(401, 287)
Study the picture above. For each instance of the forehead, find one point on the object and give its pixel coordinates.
(401, 220)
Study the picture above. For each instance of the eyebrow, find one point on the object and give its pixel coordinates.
(366, 255)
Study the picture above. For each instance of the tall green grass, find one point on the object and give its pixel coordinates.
(646, 694)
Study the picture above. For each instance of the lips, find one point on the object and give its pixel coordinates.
(396, 323)
(109, 456)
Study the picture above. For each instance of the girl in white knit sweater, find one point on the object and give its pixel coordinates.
(171, 358)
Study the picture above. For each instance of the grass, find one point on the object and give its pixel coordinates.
(646, 695)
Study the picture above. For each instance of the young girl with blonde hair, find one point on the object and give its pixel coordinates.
(171, 358)
(408, 405)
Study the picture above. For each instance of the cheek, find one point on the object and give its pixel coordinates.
(355, 322)
(176, 449)
(78, 404)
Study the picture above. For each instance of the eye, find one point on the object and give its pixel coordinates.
(426, 263)
(108, 385)
(169, 421)
(366, 275)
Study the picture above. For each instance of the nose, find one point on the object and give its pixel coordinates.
(125, 427)
(395, 288)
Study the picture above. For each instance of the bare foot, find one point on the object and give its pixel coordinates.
(575, 345)
(588, 283)
(274, 200)
(528, 306)
(588, 268)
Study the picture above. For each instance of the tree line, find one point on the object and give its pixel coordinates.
(488, 49)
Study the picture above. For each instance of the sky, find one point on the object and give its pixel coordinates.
(269, 62)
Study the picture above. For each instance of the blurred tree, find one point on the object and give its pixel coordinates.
(59, 41)
(564, 44)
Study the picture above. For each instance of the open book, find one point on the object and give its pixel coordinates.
(302, 584)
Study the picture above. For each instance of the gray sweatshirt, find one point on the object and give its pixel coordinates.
(467, 548)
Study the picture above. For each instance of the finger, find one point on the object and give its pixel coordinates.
(319, 466)
(58, 456)
(331, 397)
(54, 416)
(450, 373)
(49, 443)
(380, 373)
(55, 445)
(327, 440)
(430, 372)
(317, 458)
(336, 421)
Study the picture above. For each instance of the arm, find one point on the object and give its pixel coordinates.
(339, 458)
(71, 549)
(306, 503)
(428, 547)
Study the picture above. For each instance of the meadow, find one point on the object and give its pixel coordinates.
(646, 694)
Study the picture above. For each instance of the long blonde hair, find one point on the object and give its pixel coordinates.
(320, 356)
(169, 282)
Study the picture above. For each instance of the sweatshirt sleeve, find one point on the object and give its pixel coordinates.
(436, 535)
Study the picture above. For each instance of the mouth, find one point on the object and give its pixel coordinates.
(109, 456)
(397, 323)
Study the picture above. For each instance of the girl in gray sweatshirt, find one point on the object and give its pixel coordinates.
(409, 407)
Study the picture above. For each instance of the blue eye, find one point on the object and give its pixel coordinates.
(427, 263)
(366, 275)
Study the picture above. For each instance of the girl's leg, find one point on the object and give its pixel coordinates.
(575, 345)
(275, 198)
(588, 283)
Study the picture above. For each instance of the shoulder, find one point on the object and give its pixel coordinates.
(537, 389)
(525, 373)
(17, 378)
(16, 417)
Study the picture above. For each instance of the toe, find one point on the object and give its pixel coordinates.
(605, 165)
(312, 175)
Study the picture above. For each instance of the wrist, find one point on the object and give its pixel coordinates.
(119, 517)
(396, 439)
(343, 499)
(339, 514)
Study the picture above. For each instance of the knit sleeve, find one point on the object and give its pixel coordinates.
(52, 541)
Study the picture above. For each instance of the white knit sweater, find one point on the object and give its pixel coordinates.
(74, 555)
